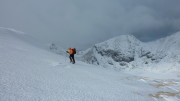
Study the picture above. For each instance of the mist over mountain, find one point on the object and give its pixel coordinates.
(80, 23)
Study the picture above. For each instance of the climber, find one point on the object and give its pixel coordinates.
(71, 54)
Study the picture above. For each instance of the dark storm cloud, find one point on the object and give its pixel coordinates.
(81, 23)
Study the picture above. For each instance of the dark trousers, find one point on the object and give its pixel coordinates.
(71, 57)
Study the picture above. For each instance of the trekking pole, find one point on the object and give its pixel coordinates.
(65, 57)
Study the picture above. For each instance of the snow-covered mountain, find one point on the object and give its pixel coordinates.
(127, 52)
(30, 73)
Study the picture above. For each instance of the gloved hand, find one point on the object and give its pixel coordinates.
(67, 52)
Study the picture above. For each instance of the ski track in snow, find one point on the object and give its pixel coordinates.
(28, 73)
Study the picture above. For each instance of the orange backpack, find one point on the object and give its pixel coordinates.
(74, 50)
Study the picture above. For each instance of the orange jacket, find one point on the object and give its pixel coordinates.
(70, 51)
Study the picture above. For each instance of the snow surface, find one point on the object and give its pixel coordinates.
(29, 73)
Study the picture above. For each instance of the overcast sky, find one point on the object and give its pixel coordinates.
(81, 23)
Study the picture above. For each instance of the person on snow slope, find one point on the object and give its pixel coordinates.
(71, 55)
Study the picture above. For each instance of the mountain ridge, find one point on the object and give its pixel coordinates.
(127, 52)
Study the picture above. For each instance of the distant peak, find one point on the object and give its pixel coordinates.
(124, 37)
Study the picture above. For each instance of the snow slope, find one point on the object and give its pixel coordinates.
(29, 73)
(128, 53)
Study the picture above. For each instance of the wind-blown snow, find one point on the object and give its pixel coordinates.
(10, 30)
(29, 73)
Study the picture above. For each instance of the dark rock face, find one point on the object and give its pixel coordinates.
(153, 56)
(115, 55)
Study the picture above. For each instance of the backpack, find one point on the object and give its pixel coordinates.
(74, 50)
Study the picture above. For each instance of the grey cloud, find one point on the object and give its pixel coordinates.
(81, 23)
